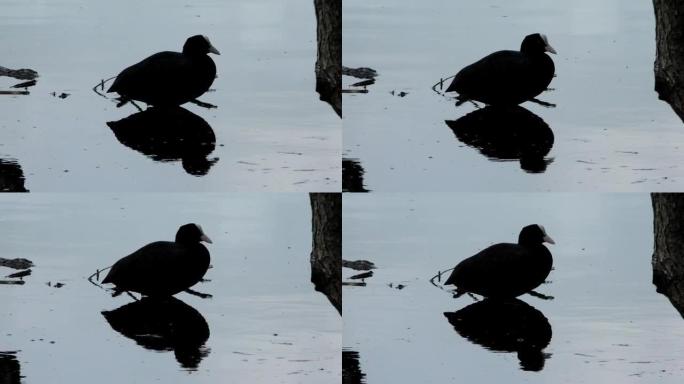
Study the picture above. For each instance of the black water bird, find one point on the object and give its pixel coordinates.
(506, 270)
(507, 77)
(169, 78)
(163, 268)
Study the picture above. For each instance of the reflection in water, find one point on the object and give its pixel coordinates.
(10, 370)
(164, 324)
(507, 133)
(351, 369)
(11, 176)
(507, 326)
(169, 134)
(352, 176)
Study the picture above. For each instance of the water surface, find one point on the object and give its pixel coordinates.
(264, 324)
(272, 133)
(611, 131)
(606, 321)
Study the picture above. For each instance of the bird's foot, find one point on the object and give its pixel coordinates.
(540, 295)
(543, 103)
(473, 296)
(203, 104)
(198, 294)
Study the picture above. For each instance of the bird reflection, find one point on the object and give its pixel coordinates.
(507, 133)
(351, 369)
(506, 326)
(164, 324)
(10, 369)
(11, 176)
(352, 176)
(169, 134)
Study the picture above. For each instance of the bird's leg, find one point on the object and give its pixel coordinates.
(199, 294)
(543, 103)
(475, 104)
(203, 104)
(473, 296)
(540, 295)
(131, 295)
(136, 105)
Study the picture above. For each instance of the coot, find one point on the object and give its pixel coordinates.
(507, 77)
(169, 78)
(506, 270)
(163, 268)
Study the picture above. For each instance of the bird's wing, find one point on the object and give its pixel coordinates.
(494, 264)
(499, 70)
(154, 72)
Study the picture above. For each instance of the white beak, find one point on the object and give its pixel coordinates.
(550, 49)
(548, 239)
(215, 51)
(206, 239)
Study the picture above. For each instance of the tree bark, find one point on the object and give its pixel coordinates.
(668, 253)
(329, 61)
(326, 253)
(669, 63)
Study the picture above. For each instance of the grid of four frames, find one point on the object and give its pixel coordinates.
(183, 215)
(512, 177)
(499, 201)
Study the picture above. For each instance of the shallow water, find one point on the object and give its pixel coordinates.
(607, 322)
(611, 131)
(272, 133)
(265, 322)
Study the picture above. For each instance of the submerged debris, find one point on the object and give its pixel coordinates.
(16, 263)
(361, 72)
(20, 74)
(358, 265)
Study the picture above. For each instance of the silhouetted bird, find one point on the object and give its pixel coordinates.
(169, 78)
(507, 77)
(506, 270)
(163, 268)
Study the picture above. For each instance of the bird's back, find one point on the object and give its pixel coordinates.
(166, 79)
(160, 268)
(504, 78)
(502, 270)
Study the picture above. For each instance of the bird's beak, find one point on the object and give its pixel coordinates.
(215, 51)
(548, 239)
(206, 239)
(550, 49)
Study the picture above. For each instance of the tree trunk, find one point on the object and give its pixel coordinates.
(326, 254)
(669, 63)
(668, 253)
(329, 62)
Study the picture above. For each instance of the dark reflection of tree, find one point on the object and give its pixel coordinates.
(326, 252)
(329, 62)
(169, 134)
(668, 252)
(10, 370)
(164, 324)
(507, 133)
(669, 63)
(11, 176)
(352, 176)
(351, 369)
(506, 326)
